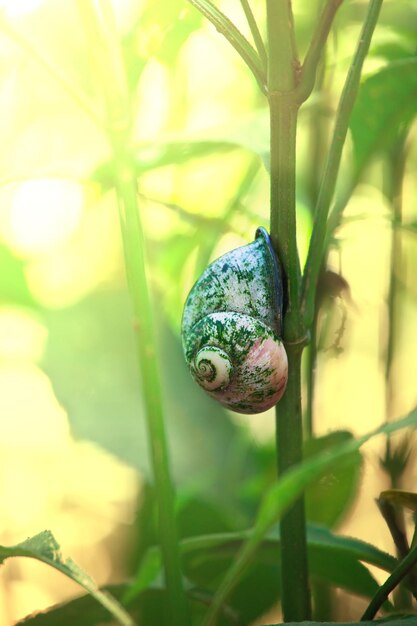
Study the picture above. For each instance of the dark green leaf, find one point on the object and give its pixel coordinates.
(84, 611)
(149, 609)
(45, 548)
(333, 559)
(329, 499)
(408, 620)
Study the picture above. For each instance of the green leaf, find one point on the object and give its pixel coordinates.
(91, 361)
(281, 495)
(84, 611)
(257, 591)
(333, 559)
(329, 499)
(386, 101)
(234, 36)
(408, 620)
(45, 548)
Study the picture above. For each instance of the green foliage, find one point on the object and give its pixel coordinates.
(386, 104)
(407, 620)
(45, 548)
(281, 495)
(330, 498)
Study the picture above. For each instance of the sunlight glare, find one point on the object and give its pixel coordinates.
(44, 213)
(14, 8)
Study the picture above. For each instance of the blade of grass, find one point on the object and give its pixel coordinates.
(347, 100)
(281, 496)
(109, 68)
(234, 37)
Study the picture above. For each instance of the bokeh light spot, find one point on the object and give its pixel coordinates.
(44, 213)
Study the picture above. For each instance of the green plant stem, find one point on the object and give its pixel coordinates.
(315, 50)
(327, 188)
(389, 585)
(133, 244)
(283, 119)
(282, 52)
(102, 30)
(283, 109)
(395, 180)
(295, 590)
(257, 37)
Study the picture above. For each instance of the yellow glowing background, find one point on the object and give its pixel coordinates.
(72, 442)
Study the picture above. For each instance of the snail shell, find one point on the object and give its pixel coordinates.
(231, 326)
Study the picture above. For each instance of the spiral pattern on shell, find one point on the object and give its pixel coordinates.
(211, 367)
(231, 325)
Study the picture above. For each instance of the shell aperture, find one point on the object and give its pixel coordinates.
(231, 326)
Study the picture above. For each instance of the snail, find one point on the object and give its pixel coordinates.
(231, 328)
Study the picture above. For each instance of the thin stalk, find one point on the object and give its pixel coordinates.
(257, 37)
(347, 100)
(133, 243)
(390, 584)
(283, 109)
(310, 364)
(315, 50)
(397, 161)
(100, 22)
(394, 182)
(318, 140)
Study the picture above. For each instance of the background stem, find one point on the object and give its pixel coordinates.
(347, 100)
(257, 37)
(389, 585)
(109, 69)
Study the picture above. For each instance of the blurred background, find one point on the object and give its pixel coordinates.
(73, 445)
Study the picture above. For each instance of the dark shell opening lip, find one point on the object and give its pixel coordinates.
(277, 276)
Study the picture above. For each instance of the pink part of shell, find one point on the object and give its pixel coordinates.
(250, 392)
